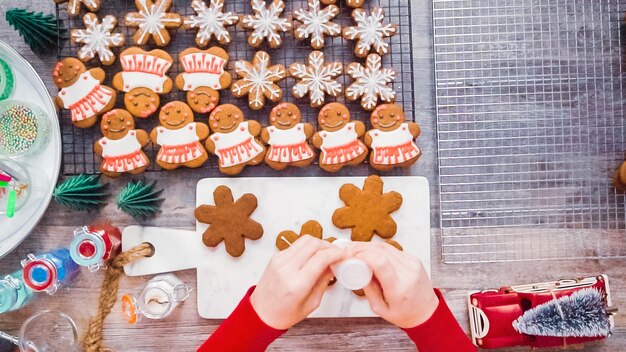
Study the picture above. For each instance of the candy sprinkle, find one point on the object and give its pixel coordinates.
(18, 129)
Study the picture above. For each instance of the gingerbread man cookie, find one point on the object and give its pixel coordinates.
(266, 23)
(338, 138)
(258, 80)
(391, 138)
(210, 22)
(153, 21)
(287, 138)
(143, 78)
(229, 221)
(81, 91)
(316, 79)
(234, 140)
(316, 22)
(286, 238)
(74, 6)
(122, 144)
(97, 39)
(371, 82)
(204, 73)
(179, 137)
(369, 32)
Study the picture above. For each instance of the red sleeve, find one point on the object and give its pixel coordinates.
(441, 332)
(242, 331)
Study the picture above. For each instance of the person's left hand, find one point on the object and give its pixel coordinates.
(294, 282)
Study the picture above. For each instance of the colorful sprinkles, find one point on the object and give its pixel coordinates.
(18, 129)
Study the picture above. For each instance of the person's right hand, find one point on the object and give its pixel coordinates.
(401, 291)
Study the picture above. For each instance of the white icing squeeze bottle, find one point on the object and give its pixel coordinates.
(352, 273)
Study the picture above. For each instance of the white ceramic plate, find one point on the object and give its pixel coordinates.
(43, 167)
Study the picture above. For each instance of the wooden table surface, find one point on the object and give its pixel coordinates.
(185, 330)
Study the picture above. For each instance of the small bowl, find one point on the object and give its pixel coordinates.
(26, 136)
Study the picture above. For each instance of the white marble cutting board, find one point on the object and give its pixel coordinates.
(284, 204)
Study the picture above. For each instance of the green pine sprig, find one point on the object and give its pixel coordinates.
(140, 200)
(39, 31)
(80, 193)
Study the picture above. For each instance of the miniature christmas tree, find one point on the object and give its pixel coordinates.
(39, 31)
(581, 314)
(140, 200)
(82, 192)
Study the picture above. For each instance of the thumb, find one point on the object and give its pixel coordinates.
(315, 297)
(374, 294)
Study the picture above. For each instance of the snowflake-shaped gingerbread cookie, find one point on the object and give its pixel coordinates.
(316, 22)
(97, 39)
(369, 32)
(266, 23)
(153, 20)
(210, 21)
(73, 6)
(371, 82)
(316, 79)
(258, 80)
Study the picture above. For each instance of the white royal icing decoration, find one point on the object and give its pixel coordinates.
(258, 79)
(266, 22)
(179, 145)
(86, 97)
(370, 82)
(97, 38)
(345, 135)
(151, 18)
(316, 79)
(370, 31)
(181, 136)
(316, 22)
(151, 81)
(211, 21)
(127, 146)
(236, 147)
(77, 91)
(399, 144)
(292, 141)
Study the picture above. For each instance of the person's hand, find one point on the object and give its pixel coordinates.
(294, 281)
(400, 291)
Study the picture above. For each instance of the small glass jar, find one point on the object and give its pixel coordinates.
(157, 299)
(24, 128)
(48, 331)
(46, 272)
(14, 294)
(92, 246)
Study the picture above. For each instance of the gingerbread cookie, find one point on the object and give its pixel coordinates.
(286, 238)
(391, 138)
(351, 3)
(74, 6)
(153, 21)
(369, 32)
(179, 137)
(122, 144)
(619, 180)
(316, 22)
(367, 211)
(81, 91)
(210, 22)
(234, 140)
(258, 80)
(229, 221)
(143, 78)
(371, 82)
(338, 138)
(97, 39)
(203, 75)
(266, 23)
(287, 138)
(316, 79)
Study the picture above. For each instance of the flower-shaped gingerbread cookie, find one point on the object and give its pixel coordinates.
(203, 75)
(266, 23)
(371, 82)
(122, 144)
(153, 21)
(338, 138)
(210, 22)
(74, 6)
(391, 138)
(316, 23)
(81, 91)
(287, 138)
(143, 78)
(179, 137)
(316, 79)
(258, 80)
(234, 140)
(367, 211)
(369, 32)
(229, 221)
(97, 39)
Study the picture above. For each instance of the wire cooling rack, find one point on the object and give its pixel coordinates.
(530, 117)
(78, 156)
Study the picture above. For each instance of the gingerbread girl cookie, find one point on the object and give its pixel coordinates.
(287, 138)
(204, 74)
(266, 23)
(234, 140)
(391, 138)
(97, 39)
(180, 137)
(210, 22)
(81, 91)
(143, 78)
(121, 146)
(338, 138)
(153, 21)
(74, 6)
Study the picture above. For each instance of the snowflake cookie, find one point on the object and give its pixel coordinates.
(371, 82)
(73, 6)
(266, 23)
(316, 22)
(97, 39)
(316, 79)
(258, 80)
(210, 21)
(370, 32)
(153, 20)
